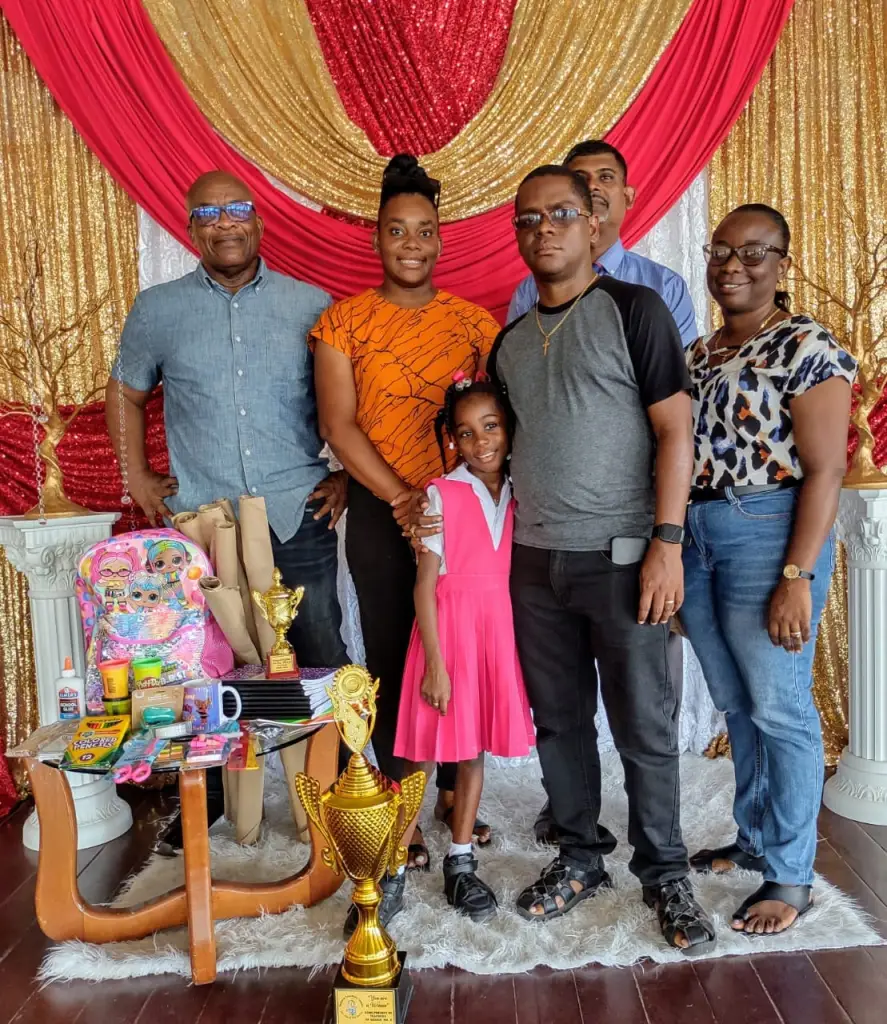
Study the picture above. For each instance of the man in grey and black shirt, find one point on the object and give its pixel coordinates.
(597, 384)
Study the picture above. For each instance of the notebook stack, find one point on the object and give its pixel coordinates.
(283, 700)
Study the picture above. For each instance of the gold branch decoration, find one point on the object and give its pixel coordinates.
(34, 352)
(857, 316)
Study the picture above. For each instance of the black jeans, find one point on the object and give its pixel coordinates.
(383, 568)
(570, 610)
(384, 572)
(310, 559)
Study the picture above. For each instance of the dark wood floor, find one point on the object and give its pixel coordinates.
(837, 987)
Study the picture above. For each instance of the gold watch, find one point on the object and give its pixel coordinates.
(794, 572)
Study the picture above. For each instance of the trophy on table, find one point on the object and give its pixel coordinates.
(363, 817)
(279, 606)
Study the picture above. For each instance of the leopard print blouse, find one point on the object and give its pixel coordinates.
(742, 408)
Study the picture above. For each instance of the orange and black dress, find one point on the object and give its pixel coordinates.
(403, 360)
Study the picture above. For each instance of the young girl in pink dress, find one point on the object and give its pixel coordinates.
(463, 693)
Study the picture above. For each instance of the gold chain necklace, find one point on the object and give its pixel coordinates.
(764, 325)
(548, 335)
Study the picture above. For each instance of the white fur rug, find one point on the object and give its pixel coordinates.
(614, 928)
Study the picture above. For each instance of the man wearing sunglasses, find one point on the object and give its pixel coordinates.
(228, 341)
(597, 384)
(605, 170)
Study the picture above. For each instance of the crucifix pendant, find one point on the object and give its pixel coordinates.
(545, 345)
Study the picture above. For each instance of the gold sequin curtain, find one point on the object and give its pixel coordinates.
(559, 55)
(811, 143)
(52, 190)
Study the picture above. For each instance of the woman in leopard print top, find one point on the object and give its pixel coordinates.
(771, 402)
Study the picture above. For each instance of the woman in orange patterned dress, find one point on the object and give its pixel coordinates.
(383, 360)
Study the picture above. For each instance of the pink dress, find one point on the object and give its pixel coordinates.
(488, 710)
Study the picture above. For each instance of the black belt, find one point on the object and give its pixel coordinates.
(698, 494)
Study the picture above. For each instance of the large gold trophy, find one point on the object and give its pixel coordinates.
(279, 606)
(363, 817)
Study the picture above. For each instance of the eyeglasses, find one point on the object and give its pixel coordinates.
(751, 255)
(240, 211)
(562, 217)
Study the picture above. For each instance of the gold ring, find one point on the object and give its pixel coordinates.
(413, 530)
(795, 634)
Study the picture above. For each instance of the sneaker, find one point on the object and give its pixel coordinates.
(392, 887)
(466, 893)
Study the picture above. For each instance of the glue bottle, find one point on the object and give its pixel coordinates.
(71, 692)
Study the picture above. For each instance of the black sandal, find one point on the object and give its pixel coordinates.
(678, 911)
(415, 850)
(703, 862)
(478, 825)
(555, 881)
(467, 893)
(800, 897)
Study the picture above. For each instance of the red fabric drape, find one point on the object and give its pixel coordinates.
(410, 73)
(105, 65)
(8, 795)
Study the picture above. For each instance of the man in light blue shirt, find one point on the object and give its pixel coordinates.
(605, 170)
(229, 343)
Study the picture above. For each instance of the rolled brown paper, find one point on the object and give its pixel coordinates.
(258, 558)
(189, 524)
(209, 516)
(244, 799)
(227, 608)
(231, 573)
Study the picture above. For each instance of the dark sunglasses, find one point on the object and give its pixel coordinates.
(240, 211)
(751, 255)
(562, 217)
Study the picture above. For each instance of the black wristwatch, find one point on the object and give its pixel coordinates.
(669, 533)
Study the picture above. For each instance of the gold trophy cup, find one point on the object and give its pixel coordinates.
(363, 817)
(278, 606)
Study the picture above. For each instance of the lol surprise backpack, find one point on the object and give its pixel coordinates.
(139, 598)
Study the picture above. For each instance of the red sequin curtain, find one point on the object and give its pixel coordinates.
(410, 73)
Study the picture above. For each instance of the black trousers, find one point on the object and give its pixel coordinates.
(383, 568)
(570, 610)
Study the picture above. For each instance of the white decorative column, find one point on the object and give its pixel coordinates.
(858, 790)
(48, 554)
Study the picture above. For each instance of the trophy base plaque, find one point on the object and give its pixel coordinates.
(360, 1004)
(282, 666)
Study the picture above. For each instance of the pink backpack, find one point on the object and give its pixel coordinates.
(139, 598)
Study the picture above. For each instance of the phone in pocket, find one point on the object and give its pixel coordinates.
(628, 550)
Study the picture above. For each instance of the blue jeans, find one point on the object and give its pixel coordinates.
(310, 559)
(732, 565)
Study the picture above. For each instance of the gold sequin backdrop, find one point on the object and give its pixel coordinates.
(811, 143)
(52, 189)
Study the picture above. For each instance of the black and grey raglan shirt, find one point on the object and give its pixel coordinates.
(583, 456)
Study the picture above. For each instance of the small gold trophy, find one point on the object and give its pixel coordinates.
(363, 817)
(278, 606)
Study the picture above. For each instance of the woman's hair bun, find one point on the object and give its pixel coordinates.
(404, 175)
(404, 165)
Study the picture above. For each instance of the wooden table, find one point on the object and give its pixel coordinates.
(62, 913)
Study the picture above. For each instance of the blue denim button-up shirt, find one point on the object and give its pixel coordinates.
(238, 388)
(618, 262)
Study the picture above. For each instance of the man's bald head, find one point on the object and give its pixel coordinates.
(210, 184)
(228, 246)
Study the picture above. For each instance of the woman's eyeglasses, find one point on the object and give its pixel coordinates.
(751, 255)
(240, 211)
(561, 217)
